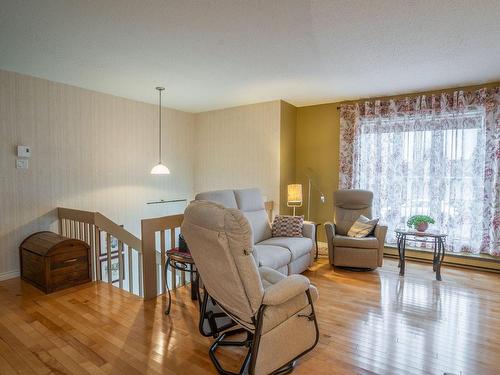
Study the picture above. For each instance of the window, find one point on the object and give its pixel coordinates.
(426, 164)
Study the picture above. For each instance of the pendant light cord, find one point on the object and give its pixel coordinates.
(160, 89)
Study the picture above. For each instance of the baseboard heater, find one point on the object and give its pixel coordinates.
(453, 261)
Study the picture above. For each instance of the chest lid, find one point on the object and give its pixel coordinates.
(48, 243)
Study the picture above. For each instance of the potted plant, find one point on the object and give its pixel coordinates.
(420, 222)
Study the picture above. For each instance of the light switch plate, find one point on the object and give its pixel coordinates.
(22, 163)
(23, 151)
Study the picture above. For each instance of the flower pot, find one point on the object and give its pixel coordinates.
(422, 227)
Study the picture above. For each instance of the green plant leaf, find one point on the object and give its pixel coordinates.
(415, 220)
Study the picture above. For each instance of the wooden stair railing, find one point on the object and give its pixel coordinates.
(139, 262)
(166, 226)
(108, 242)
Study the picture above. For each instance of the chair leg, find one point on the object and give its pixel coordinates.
(356, 269)
(221, 341)
(288, 367)
(167, 311)
(211, 317)
(252, 341)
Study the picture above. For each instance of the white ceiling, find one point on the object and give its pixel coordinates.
(221, 53)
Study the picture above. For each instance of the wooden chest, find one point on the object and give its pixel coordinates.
(53, 262)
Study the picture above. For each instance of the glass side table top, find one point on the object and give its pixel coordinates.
(413, 232)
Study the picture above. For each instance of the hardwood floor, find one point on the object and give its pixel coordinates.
(370, 322)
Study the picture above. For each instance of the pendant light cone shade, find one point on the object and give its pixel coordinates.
(160, 168)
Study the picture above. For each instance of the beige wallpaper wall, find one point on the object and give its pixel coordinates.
(90, 151)
(94, 151)
(239, 147)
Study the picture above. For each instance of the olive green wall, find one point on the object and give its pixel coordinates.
(288, 121)
(317, 145)
(317, 152)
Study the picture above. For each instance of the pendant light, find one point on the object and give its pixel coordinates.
(159, 168)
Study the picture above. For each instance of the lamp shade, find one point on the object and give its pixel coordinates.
(294, 195)
(160, 169)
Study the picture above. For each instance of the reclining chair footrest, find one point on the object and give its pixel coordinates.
(211, 317)
(221, 341)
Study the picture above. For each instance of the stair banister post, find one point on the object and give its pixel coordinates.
(148, 261)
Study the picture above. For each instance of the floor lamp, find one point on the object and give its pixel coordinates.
(294, 196)
(321, 197)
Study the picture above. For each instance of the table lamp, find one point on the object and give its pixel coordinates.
(294, 196)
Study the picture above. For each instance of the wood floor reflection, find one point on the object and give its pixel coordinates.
(370, 323)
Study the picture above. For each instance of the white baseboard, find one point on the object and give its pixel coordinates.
(9, 275)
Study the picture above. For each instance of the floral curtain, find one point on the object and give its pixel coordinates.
(437, 155)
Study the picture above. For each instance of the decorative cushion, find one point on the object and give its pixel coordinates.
(362, 227)
(287, 226)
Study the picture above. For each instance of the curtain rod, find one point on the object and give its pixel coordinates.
(451, 90)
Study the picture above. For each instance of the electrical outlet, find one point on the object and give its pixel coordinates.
(22, 164)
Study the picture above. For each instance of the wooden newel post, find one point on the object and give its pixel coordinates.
(148, 261)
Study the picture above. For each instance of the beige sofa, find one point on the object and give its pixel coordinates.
(288, 255)
(275, 311)
(344, 251)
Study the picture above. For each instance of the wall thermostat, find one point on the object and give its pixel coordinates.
(23, 151)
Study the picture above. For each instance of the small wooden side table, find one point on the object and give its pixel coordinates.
(182, 261)
(436, 238)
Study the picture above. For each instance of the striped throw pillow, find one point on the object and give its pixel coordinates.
(362, 227)
(287, 226)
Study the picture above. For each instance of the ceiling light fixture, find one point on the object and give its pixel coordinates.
(160, 168)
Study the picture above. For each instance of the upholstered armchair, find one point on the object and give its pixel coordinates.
(275, 311)
(344, 251)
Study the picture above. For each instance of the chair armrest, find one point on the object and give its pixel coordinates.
(255, 256)
(330, 235)
(309, 230)
(285, 289)
(380, 233)
(270, 275)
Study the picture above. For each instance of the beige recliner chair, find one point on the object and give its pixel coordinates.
(275, 311)
(344, 251)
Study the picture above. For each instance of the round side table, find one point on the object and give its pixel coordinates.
(182, 261)
(436, 238)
